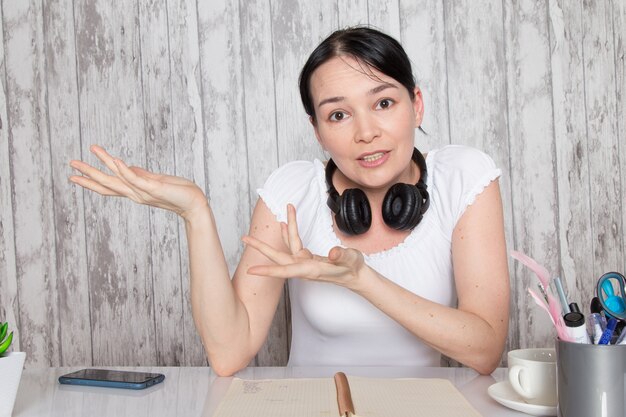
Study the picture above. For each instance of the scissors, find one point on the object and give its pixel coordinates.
(614, 304)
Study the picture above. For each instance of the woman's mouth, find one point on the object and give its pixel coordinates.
(374, 159)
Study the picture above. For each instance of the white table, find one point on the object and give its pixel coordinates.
(197, 391)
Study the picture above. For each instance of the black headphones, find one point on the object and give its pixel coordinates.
(404, 205)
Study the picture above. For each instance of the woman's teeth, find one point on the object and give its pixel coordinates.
(373, 157)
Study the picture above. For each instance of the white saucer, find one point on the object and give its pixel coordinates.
(503, 393)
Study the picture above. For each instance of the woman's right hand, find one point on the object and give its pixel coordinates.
(164, 191)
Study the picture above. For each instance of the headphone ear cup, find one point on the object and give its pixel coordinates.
(402, 207)
(355, 215)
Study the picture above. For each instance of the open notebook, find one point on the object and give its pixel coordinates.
(372, 397)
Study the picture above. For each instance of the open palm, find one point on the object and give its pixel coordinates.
(164, 191)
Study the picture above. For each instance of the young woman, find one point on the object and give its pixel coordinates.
(395, 258)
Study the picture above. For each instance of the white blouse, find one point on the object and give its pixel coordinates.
(333, 326)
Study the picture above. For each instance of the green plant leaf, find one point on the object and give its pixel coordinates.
(3, 330)
(5, 345)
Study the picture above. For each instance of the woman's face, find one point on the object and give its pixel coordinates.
(366, 121)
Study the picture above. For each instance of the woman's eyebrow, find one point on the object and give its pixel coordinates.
(380, 88)
(330, 100)
(371, 92)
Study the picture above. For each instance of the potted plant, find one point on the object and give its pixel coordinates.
(11, 365)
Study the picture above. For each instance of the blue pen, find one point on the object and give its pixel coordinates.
(561, 293)
(608, 332)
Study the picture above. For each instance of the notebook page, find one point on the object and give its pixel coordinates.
(279, 398)
(372, 397)
(411, 397)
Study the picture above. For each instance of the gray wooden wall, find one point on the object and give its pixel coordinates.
(207, 89)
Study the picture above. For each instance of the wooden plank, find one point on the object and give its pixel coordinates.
(571, 147)
(160, 149)
(385, 15)
(532, 144)
(294, 38)
(29, 149)
(476, 63)
(260, 129)
(226, 160)
(9, 305)
(619, 43)
(68, 209)
(423, 38)
(187, 131)
(352, 13)
(259, 100)
(118, 233)
(224, 107)
(602, 135)
(477, 100)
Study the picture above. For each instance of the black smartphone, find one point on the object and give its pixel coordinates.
(112, 378)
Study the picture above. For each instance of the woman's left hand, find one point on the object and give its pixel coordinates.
(341, 266)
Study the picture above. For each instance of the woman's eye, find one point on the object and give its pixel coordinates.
(384, 103)
(337, 116)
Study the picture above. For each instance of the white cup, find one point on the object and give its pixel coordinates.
(532, 374)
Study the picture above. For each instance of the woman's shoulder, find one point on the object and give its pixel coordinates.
(460, 157)
(292, 167)
(293, 174)
(454, 162)
(457, 175)
(292, 183)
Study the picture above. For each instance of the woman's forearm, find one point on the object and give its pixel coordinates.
(220, 317)
(461, 335)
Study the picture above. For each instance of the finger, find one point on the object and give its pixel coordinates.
(343, 256)
(159, 177)
(143, 189)
(295, 244)
(109, 181)
(308, 269)
(284, 233)
(131, 176)
(114, 165)
(104, 156)
(84, 168)
(92, 185)
(271, 253)
(300, 270)
(335, 254)
(110, 162)
(144, 172)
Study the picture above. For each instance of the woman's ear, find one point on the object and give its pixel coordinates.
(418, 106)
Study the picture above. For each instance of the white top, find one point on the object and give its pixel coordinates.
(331, 325)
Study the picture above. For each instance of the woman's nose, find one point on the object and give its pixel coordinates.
(366, 128)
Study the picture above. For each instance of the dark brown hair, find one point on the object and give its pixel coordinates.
(369, 46)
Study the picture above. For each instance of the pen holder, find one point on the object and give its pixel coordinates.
(590, 379)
